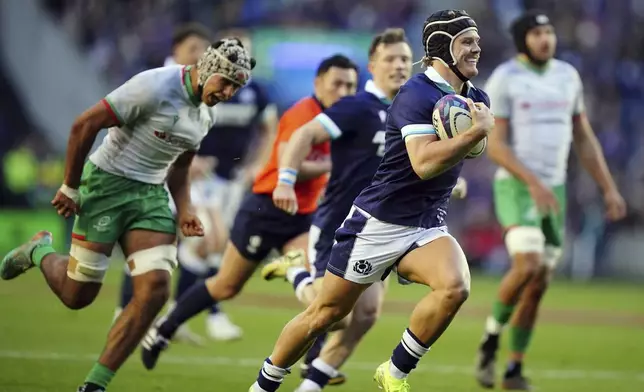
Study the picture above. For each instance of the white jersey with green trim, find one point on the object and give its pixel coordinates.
(540, 106)
(159, 119)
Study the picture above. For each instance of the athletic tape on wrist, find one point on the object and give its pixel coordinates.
(287, 176)
(72, 193)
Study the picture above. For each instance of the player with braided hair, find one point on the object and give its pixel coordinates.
(156, 123)
(397, 223)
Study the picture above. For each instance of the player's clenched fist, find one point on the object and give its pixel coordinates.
(66, 201)
(544, 198)
(482, 116)
(190, 225)
(615, 205)
(285, 199)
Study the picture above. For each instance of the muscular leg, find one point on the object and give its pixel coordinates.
(75, 285)
(449, 277)
(150, 292)
(306, 285)
(524, 267)
(364, 315)
(234, 273)
(335, 300)
(524, 319)
(525, 316)
(526, 246)
(343, 342)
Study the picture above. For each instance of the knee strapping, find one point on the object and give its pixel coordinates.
(85, 265)
(525, 239)
(163, 257)
(552, 256)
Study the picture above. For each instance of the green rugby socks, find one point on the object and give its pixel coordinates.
(99, 375)
(519, 338)
(501, 313)
(40, 252)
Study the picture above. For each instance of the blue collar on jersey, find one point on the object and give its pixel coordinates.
(435, 77)
(371, 88)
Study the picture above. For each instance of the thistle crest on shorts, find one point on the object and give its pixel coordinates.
(362, 267)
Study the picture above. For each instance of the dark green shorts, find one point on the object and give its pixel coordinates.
(111, 205)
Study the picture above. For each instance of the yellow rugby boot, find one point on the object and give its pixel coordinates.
(389, 383)
(278, 267)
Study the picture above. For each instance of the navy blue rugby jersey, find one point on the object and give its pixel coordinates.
(357, 127)
(397, 195)
(236, 124)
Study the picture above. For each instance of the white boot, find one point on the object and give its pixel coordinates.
(221, 328)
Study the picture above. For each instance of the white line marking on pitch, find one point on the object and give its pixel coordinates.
(570, 374)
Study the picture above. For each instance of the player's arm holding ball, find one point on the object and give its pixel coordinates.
(430, 156)
(292, 163)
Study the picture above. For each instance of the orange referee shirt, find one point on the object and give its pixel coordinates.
(308, 192)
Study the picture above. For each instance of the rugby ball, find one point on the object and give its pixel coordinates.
(452, 115)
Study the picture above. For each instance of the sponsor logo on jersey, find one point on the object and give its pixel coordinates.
(544, 105)
(172, 140)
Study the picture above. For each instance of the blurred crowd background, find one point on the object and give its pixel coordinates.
(61, 56)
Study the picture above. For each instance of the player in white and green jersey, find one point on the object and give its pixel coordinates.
(156, 123)
(539, 111)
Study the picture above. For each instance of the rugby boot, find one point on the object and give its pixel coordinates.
(486, 361)
(279, 266)
(389, 383)
(18, 261)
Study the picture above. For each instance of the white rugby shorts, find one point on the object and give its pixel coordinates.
(367, 249)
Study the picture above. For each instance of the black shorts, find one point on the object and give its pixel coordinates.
(260, 227)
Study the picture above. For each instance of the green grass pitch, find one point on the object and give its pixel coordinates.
(590, 339)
